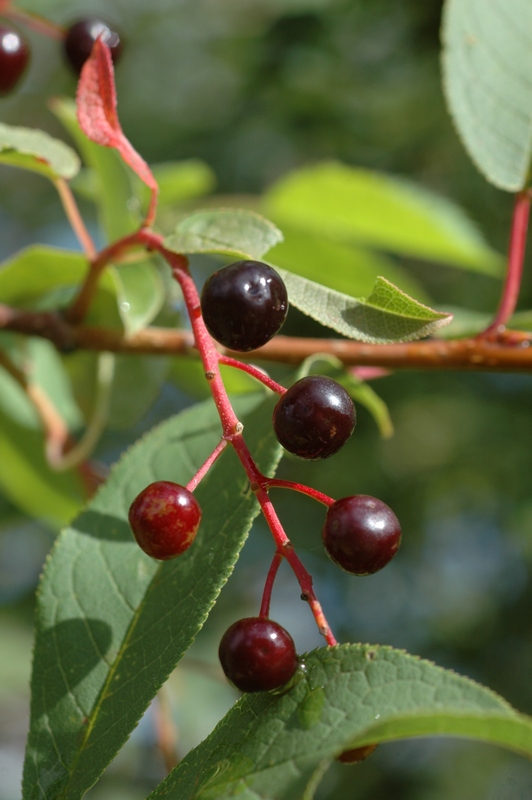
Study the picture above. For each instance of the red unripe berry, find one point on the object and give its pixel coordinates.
(164, 518)
(361, 534)
(80, 38)
(257, 654)
(14, 57)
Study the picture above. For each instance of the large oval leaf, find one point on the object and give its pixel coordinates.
(487, 63)
(387, 315)
(112, 623)
(271, 746)
(229, 231)
(380, 212)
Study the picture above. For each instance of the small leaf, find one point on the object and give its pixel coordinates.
(487, 63)
(348, 696)
(37, 151)
(96, 102)
(380, 212)
(112, 623)
(111, 179)
(233, 232)
(387, 315)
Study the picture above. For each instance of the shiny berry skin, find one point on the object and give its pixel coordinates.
(164, 518)
(14, 58)
(361, 534)
(244, 305)
(257, 654)
(314, 418)
(80, 38)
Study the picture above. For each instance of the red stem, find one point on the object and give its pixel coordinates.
(516, 255)
(268, 586)
(284, 545)
(255, 372)
(277, 483)
(200, 474)
(232, 427)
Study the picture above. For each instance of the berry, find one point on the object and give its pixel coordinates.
(314, 418)
(244, 305)
(361, 534)
(357, 755)
(80, 38)
(257, 654)
(14, 58)
(164, 519)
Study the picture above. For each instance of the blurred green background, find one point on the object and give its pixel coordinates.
(256, 88)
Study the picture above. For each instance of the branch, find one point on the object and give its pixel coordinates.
(511, 353)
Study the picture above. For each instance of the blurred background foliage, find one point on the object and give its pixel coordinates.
(254, 89)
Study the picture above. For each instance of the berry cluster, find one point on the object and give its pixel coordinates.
(243, 306)
(78, 40)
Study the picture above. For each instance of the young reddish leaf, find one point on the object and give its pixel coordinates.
(97, 117)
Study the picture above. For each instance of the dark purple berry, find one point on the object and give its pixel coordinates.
(14, 58)
(80, 38)
(257, 654)
(361, 534)
(244, 305)
(164, 519)
(314, 418)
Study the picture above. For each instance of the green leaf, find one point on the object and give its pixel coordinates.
(230, 231)
(37, 151)
(140, 292)
(387, 315)
(356, 205)
(183, 180)
(341, 266)
(112, 623)
(487, 63)
(27, 480)
(270, 746)
(44, 367)
(47, 278)
(138, 381)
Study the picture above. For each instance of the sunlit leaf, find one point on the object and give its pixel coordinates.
(112, 623)
(269, 746)
(487, 63)
(387, 315)
(381, 212)
(234, 232)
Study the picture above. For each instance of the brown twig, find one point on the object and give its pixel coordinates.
(508, 353)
